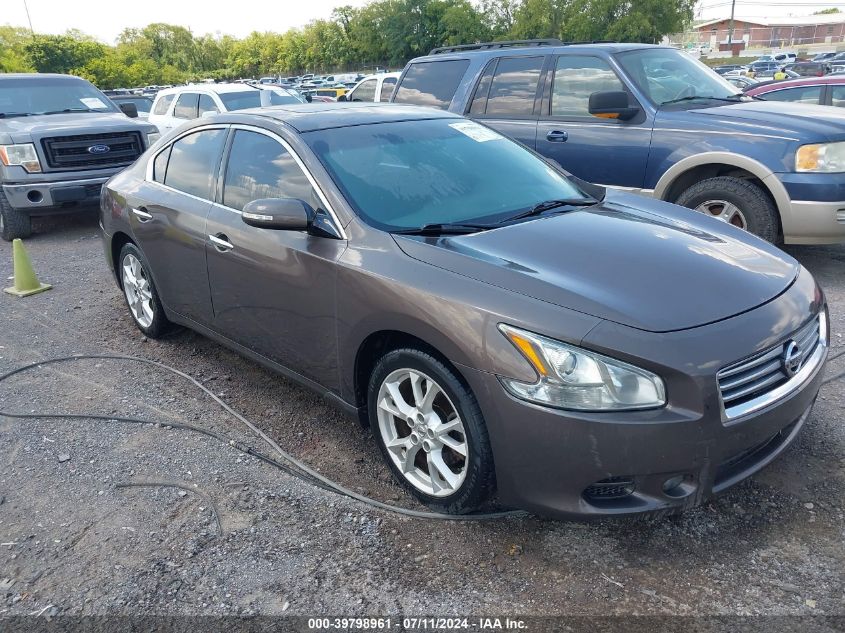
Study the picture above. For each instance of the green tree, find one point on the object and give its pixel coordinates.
(61, 53)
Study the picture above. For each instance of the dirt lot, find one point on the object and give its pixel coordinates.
(72, 541)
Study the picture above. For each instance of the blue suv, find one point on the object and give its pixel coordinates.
(651, 119)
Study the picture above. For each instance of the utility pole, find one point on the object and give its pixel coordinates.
(29, 19)
(731, 28)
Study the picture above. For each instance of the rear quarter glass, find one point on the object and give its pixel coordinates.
(431, 84)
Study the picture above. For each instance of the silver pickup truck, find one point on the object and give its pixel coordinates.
(60, 140)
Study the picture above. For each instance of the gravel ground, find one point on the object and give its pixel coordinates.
(73, 541)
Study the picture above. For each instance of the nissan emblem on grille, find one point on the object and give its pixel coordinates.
(98, 149)
(792, 358)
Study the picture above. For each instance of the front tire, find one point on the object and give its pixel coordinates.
(735, 201)
(14, 223)
(140, 293)
(431, 432)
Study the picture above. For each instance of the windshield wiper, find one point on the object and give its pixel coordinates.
(548, 205)
(737, 98)
(66, 110)
(445, 229)
(5, 115)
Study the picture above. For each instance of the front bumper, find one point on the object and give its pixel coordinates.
(814, 209)
(555, 462)
(551, 458)
(41, 198)
(809, 222)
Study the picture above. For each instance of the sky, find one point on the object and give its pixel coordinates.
(105, 19)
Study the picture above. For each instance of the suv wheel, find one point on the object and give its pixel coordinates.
(431, 431)
(736, 201)
(140, 292)
(14, 224)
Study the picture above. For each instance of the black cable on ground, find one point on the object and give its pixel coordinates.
(168, 484)
(299, 469)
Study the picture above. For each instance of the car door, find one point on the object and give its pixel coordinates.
(507, 96)
(273, 291)
(169, 214)
(600, 150)
(185, 109)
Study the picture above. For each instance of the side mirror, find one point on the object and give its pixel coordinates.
(342, 98)
(611, 105)
(281, 214)
(308, 98)
(129, 109)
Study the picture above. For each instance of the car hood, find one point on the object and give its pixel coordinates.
(779, 118)
(639, 262)
(27, 129)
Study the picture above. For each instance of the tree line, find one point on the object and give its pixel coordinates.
(382, 33)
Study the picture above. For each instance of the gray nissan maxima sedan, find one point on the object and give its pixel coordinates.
(507, 331)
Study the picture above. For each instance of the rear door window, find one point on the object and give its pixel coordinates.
(163, 104)
(193, 162)
(801, 94)
(837, 96)
(431, 84)
(186, 106)
(366, 91)
(206, 104)
(387, 87)
(514, 87)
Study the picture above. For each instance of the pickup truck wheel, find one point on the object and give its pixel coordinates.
(431, 431)
(14, 224)
(735, 201)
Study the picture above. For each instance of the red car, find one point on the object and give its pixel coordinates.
(827, 90)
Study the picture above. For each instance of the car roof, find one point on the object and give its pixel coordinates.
(803, 81)
(550, 49)
(307, 117)
(217, 88)
(40, 76)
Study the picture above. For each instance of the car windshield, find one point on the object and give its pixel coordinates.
(409, 174)
(50, 95)
(667, 74)
(253, 98)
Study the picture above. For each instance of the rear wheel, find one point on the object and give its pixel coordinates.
(14, 224)
(734, 201)
(140, 292)
(431, 431)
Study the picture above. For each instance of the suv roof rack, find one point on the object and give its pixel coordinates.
(484, 46)
(491, 45)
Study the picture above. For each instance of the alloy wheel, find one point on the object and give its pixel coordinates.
(724, 211)
(423, 432)
(139, 294)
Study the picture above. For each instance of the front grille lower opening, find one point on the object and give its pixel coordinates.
(610, 488)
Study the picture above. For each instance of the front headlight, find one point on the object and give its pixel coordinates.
(572, 378)
(23, 155)
(821, 157)
(152, 137)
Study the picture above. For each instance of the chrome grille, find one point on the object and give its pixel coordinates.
(750, 378)
(72, 152)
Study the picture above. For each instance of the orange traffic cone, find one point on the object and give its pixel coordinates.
(26, 281)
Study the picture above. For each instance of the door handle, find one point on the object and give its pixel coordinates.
(142, 214)
(221, 242)
(557, 136)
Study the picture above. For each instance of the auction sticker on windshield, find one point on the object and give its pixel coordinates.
(93, 103)
(476, 132)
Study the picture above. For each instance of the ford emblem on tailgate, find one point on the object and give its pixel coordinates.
(99, 149)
